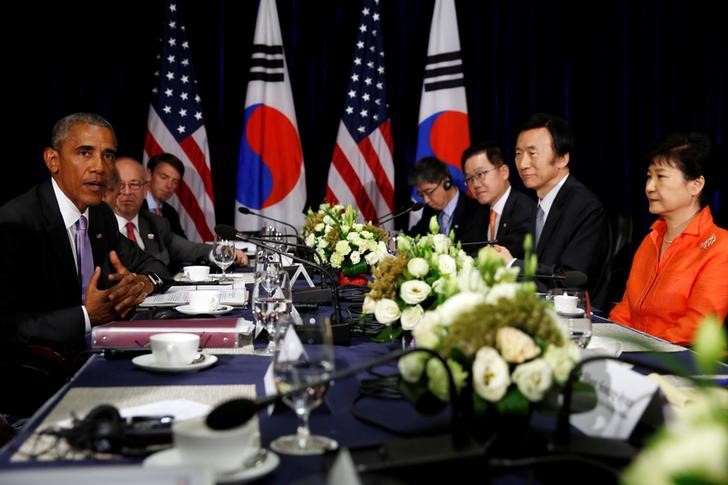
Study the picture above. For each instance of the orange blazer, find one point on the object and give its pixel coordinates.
(668, 297)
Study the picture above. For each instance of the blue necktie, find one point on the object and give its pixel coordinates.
(84, 254)
(444, 221)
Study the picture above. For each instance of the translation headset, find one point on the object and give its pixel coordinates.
(104, 430)
(447, 183)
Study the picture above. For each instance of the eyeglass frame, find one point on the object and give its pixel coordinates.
(478, 177)
(428, 193)
(133, 186)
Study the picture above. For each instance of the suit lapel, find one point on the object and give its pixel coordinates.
(60, 245)
(148, 234)
(552, 220)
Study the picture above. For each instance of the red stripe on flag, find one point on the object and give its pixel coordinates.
(351, 179)
(197, 158)
(330, 196)
(189, 202)
(375, 165)
(386, 129)
(151, 146)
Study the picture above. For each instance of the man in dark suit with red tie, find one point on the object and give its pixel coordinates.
(569, 223)
(505, 211)
(64, 267)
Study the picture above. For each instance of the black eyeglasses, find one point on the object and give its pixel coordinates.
(133, 186)
(428, 193)
(478, 177)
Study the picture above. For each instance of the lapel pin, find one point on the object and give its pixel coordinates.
(99, 236)
(150, 236)
(708, 242)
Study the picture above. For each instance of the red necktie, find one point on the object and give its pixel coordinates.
(158, 210)
(491, 225)
(130, 232)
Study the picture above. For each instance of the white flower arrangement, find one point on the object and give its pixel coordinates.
(338, 239)
(504, 345)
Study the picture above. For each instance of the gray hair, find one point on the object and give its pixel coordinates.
(63, 127)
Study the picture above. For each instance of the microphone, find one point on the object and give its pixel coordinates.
(269, 240)
(229, 232)
(414, 207)
(236, 412)
(489, 242)
(246, 211)
(565, 278)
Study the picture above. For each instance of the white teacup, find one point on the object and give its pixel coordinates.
(222, 451)
(204, 301)
(566, 304)
(197, 273)
(174, 348)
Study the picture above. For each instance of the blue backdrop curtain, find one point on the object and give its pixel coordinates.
(624, 73)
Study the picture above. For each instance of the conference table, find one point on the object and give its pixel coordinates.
(378, 420)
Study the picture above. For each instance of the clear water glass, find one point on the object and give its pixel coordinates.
(271, 301)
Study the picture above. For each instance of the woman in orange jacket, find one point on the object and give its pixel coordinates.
(680, 271)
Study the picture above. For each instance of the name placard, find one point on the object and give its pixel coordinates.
(623, 396)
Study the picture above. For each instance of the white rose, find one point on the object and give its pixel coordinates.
(412, 365)
(502, 290)
(427, 332)
(368, 306)
(328, 220)
(386, 311)
(345, 229)
(418, 267)
(322, 243)
(533, 379)
(366, 234)
(414, 291)
(411, 316)
(355, 257)
(336, 259)
(490, 374)
(319, 227)
(441, 243)
(469, 279)
(311, 240)
(451, 309)
(343, 248)
(515, 346)
(446, 264)
(560, 360)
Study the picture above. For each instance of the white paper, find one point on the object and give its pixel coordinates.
(623, 396)
(229, 296)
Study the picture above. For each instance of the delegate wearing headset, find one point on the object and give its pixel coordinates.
(433, 182)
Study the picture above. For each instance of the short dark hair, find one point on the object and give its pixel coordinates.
(63, 126)
(491, 150)
(169, 159)
(688, 152)
(563, 139)
(429, 169)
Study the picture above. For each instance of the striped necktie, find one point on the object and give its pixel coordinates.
(84, 255)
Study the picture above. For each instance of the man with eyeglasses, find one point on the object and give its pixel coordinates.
(164, 174)
(506, 212)
(433, 182)
(150, 231)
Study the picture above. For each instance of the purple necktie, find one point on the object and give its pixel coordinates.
(84, 255)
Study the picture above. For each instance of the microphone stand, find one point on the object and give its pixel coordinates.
(229, 232)
(246, 211)
(414, 207)
(236, 412)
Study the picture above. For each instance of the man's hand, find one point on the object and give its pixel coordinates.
(504, 253)
(129, 290)
(241, 259)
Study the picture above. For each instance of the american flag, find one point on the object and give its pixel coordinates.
(175, 126)
(362, 170)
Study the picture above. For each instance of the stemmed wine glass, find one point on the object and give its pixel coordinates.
(294, 367)
(574, 309)
(267, 266)
(271, 300)
(223, 254)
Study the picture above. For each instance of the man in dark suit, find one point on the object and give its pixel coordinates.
(164, 174)
(149, 231)
(45, 261)
(569, 223)
(505, 212)
(442, 197)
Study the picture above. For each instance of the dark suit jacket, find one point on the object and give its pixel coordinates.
(171, 214)
(513, 226)
(574, 238)
(40, 291)
(168, 247)
(464, 209)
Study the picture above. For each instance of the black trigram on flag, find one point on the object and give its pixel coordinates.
(444, 71)
(266, 63)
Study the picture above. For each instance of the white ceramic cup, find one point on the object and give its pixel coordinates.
(174, 348)
(565, 304)
(204, 300)
(197, 273)
(222, 451)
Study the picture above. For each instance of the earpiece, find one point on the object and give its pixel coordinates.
(101, 430)
(447, 184)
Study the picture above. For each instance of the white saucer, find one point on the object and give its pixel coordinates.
(170, 457)
(147, 362)
(187, 310)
